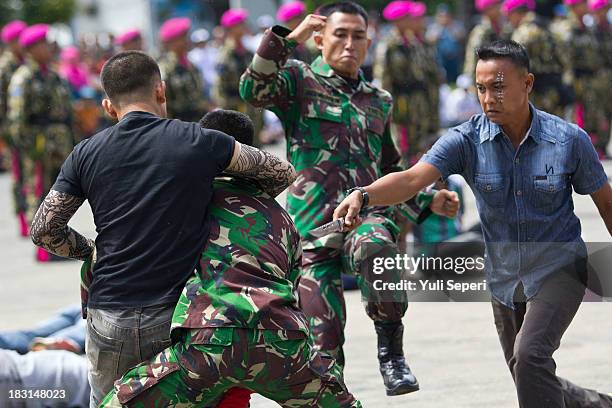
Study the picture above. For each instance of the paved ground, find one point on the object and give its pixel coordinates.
(452, 347)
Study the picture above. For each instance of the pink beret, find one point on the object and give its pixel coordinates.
(484, 4)
(288, 11)
(510, 5)
(13, 30)
(597, 4)
(233, 17)
(70, 53)
(418, 9)
(397, 9)
(33, 34)
(127, 36)
(173, 28)
(572, 2)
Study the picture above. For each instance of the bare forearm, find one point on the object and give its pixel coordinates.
(272, 173)
(606, 215)
(50, 228)
(395, 188)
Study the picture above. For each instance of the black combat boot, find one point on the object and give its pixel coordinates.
(396, 374)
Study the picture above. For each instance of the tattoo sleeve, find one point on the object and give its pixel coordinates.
(50, 228)
(273, 174)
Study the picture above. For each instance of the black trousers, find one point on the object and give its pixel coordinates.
(531, 333)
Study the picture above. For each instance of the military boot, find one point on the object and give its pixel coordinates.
(396, 374)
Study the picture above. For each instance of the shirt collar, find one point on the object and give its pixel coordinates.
(490, 130)
(320, 67)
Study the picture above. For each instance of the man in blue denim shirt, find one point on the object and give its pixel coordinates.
(521, 164)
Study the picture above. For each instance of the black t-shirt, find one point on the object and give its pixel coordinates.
(148, 181)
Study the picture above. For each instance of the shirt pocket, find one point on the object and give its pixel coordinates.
(491, 188)
(549, 192)
(375, 124)
(322, 118)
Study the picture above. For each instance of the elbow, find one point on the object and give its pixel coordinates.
(37, 236)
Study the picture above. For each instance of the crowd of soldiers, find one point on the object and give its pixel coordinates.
(39, 126)
(337, 126)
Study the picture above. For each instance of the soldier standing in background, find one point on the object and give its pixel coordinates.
(546, 62)
(337, 129)
(40, 119)
(183, 83)
(233, 60)
(581, 47)
(407, 67)
(291, 15)
(9, 62)
(129, 40)
(490, 28)
(603, 34)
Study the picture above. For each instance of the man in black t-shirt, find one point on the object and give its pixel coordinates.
(147, 180)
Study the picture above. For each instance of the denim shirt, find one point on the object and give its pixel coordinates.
(523, 195)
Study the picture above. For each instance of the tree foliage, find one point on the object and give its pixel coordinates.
(37, 11)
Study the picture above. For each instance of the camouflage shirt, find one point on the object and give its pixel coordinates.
(39, 111)
(407, 67)
(580, 47)
(249, 267)
(184, 91)
(338, 136)
(232, 62)
(543, 50)
(483, 33)
(8, 66)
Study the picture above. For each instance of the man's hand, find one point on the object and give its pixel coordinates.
(445, 203)
(309, 25)
(349, 209)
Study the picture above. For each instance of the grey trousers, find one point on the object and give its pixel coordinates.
(120, 339)
(530, 334)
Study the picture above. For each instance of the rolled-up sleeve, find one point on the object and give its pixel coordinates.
(449, 153)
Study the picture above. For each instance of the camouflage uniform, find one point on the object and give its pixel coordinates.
(337, 137)
(8, 66)
(237, 321)
(546, 63)
(585, 65)
(40, 125)
(483, 33)
(232, 62)
(407, 67)
(184, 89)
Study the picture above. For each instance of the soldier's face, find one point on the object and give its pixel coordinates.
(515, 18)
(41, 52)
(503, 89)
(344, 43)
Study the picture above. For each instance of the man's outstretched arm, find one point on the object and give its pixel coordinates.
(394, 188)
(50, 229)
(271, 172)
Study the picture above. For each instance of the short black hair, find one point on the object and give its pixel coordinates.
(347, 7)
(509, 49)
(231, 122)
(129, 74)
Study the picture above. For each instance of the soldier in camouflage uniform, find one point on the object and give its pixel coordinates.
(603, 34)
(490, 28)
(237, 321)
(291, 15)
(407, 67)
(10, 60)
(183, 81)
(338, 137)
(545, 58)
(233, 60)
(585, 61)
(40, 119)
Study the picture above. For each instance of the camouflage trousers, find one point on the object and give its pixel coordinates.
(592, 108)
(19, 200)
(320, 289)
(204, 363)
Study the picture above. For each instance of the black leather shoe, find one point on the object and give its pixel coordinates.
(396, 374)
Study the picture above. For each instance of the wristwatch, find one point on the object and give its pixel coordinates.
(365, 198)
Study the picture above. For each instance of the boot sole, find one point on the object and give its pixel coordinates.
(402, 389)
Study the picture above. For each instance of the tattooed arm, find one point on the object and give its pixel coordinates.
(273, 174)
(50, 228)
